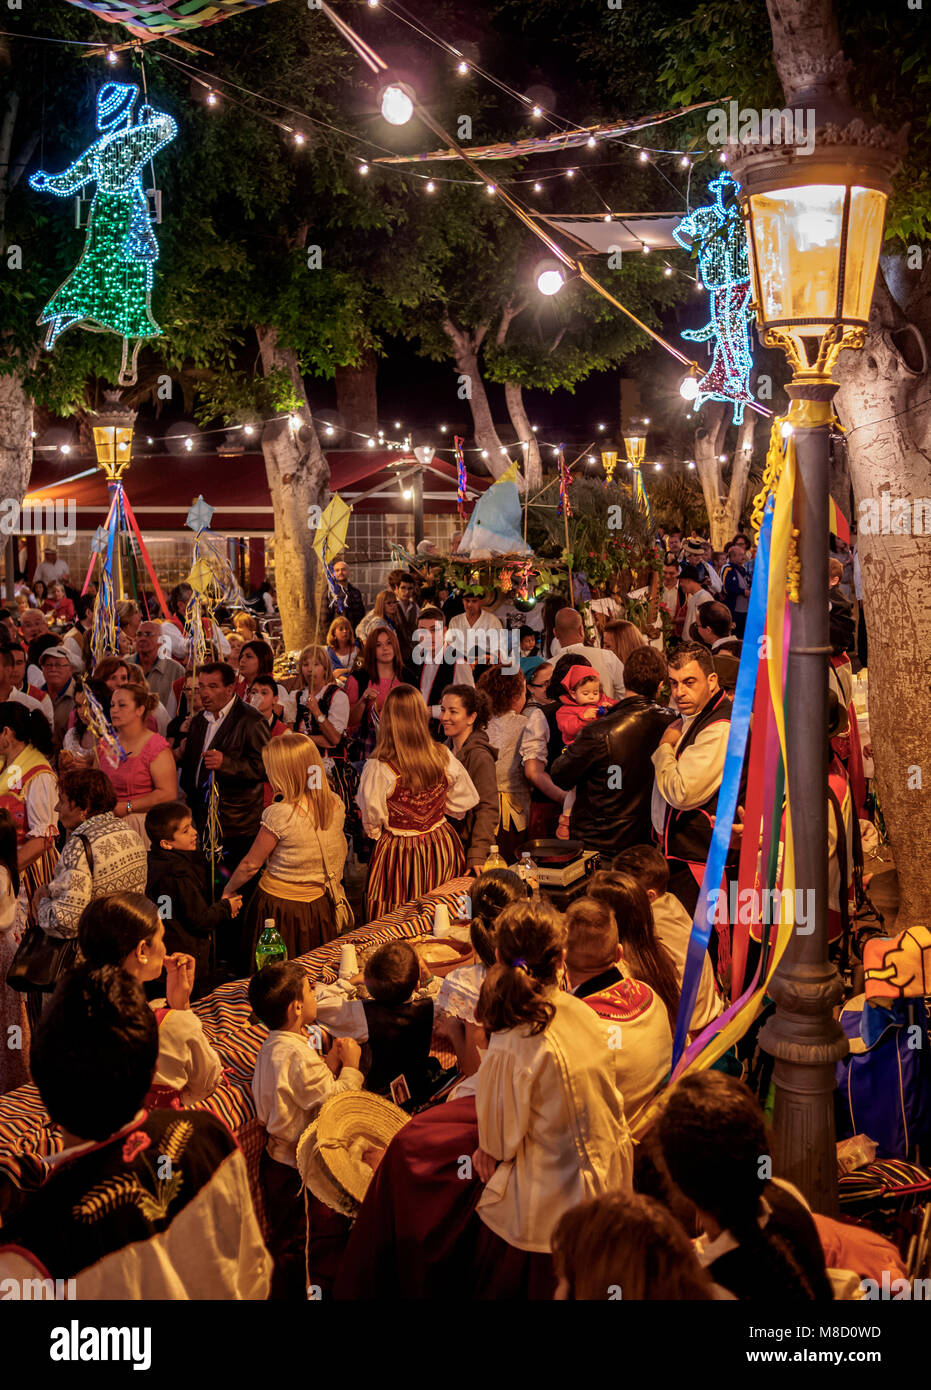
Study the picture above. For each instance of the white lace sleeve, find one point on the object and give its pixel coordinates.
(459, 993)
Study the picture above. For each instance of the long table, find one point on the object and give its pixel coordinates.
(28, 1137)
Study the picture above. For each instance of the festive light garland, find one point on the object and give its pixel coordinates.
(110, 289)
(717, 232)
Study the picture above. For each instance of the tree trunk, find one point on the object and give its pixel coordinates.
(465, 351)
(16, 417)
(888, 453)
(532, 467)
(709, 441)
(298, 479)
(357, 397)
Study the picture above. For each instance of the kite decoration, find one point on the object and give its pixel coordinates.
(718, 236)
(330, 540)
(164, 19)
(110, 289)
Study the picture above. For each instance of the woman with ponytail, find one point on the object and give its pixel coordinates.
(759, 1241)
(551, 1124)
(456, 1002)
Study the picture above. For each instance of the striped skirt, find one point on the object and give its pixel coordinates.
(404, 867)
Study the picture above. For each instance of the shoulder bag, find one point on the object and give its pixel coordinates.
(40, 959)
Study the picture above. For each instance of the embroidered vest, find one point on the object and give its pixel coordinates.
(30, 763)
(408, 810)
(621, 1002)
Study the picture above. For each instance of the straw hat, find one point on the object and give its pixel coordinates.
(329, 1152)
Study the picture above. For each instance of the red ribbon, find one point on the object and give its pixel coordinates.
(145, 555)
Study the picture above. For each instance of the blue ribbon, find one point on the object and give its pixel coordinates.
(747, 676)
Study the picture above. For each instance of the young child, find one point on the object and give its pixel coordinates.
(179, 874)
(581, 703)
(672, 926)
(396, 1022)
(290, 1083)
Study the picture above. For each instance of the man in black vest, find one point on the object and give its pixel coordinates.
(609, 762)
(226, 739)
(689, 764)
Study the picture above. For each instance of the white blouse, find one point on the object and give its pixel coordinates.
(549, 1111)
(186, 1061)
(378, 781)
(459, 992)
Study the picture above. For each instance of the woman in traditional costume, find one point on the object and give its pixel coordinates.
(406, 789)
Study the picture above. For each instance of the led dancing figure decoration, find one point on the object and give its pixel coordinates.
(110, 289)
(718, 233)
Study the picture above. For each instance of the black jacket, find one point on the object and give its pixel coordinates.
(182, 876)
(353, 606)
(609, 764)
(240, 738)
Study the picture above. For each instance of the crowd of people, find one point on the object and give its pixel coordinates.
(154, 818)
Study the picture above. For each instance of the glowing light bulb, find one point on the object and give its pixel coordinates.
(370, 442)
(484, 453)
(396, 106)
(688, 387)
(298, 138)
(430, 186)
(330, 429)
(550, 281)
(722, 458)
(111, 56)
(149, 440)
(189, 444)
(602, 427)
(211, 98)
(363, 168)
(407, 493)
(536, 112)
(607, 217)
(685, 162)
(668, 270)
(691, 463)
(490, 189)
(644, 156)
(570, 173)
(295, 421)
(462, 67)
(723, 156)
(397, 424)
(246, 429)
(658, 467)
(538, 188)
(443, 429)
(66, 448)
(591, 142)
(645, 249)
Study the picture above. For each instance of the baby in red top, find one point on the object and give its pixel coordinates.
(581, 704)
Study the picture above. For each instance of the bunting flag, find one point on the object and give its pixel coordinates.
(767, 854)
(162, 19)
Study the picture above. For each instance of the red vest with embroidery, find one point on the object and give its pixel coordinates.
(409, 810)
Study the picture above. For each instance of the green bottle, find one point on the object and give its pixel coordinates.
(271, 948)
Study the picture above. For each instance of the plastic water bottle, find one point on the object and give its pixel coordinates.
(494, 860)
(528, 872)
(270, 948)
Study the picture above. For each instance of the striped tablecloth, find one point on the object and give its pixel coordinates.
(27, 1136)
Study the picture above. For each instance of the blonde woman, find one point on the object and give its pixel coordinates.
(342, 647)
(406, 789)
(385, 613)
(129, 618)
(622, 638)
(300, 836)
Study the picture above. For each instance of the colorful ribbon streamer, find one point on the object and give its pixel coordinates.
(213, 835)
(564, 505)
(100, 726)
(461, 479)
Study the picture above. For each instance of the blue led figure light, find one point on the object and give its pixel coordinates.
(110, 288)
(717, 232)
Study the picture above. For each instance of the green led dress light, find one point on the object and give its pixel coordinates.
(110, 289)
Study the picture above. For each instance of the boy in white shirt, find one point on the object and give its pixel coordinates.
(290, 1083)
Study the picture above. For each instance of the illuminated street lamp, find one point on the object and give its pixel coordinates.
(815, 228)
(113, 441)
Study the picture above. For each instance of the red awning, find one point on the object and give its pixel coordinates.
(161, 488)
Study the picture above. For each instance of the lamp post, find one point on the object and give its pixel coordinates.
(815, 228)
(113, 438)
(635, 448)
(423, 453)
